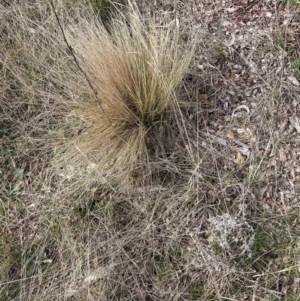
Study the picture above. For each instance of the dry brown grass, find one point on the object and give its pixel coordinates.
(134, 70)
(152, 189)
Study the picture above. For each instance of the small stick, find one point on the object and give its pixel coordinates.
(76, 61)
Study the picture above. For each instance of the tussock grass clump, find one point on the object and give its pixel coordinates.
(134, 70)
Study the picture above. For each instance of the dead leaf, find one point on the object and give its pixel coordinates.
(246, 134)
(282, 156)
(292, 174)
(239, 159)
(294, 120)
(232, 9)
(202, 96)
(232, 75)
(294, 81)
(230, 134)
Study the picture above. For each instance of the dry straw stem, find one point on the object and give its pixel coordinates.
(134, 68)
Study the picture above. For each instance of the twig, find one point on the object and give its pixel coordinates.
(76, 61)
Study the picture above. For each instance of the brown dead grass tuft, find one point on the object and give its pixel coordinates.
(134, 69)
